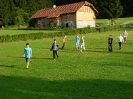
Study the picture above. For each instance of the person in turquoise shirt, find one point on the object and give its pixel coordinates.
(77, 42)
(27, 54)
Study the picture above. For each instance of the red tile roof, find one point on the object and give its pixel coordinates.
(58, 10)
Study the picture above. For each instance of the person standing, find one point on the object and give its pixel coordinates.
(55, 49)
(120, 40)
(110, 43)
(77, 42)
(27, 54)
(64, 41)
(82, 46)
(125, 34)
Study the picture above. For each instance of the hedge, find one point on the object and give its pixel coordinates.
(67, 31)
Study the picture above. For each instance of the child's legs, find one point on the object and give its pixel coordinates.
(84, 46)
(125, 38)
(53, 54)
(120, 43)
(27, 62)
(56, 53)
(81, 47)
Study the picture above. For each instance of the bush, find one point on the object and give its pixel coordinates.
(66, 31)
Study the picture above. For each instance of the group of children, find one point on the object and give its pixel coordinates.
(120, 39)
(80, 45)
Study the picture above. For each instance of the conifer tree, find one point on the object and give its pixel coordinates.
(111, 9)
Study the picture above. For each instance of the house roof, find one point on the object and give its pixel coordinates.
(63, 9)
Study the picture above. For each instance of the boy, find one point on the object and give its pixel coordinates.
(27, 54)
(120, 40)
(77, 42)
(110, 43)
(125, 34)
(64, 41)
(55, 49)
(82, 46)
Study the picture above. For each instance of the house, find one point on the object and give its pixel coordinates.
(76, 15)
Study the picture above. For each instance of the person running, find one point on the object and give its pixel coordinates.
(77, 42)
(125, 34)
(27, 54)
(82, 44)
(120, 40)
(63, 42)
(55, 49)
(110, 43)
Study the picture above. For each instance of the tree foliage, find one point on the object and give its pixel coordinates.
(19, 11)
(111, 8)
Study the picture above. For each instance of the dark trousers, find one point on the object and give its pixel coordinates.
(55, 53)
(63, 45)
(120, 44)
(110, 47)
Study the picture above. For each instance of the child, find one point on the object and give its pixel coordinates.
(125, 34)
(82, 46)
(120, 40)
(110, 43)
(77, 42)
(64, 41)
(55, 49)
(27, 54)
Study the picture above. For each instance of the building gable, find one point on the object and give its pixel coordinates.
(67, 15)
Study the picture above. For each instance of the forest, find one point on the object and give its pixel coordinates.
(14, 12)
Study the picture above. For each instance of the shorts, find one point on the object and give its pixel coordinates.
(27, 59)
(77, 43)
(125, 38)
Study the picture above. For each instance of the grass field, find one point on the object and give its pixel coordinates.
(117, 21)
(93, 74)
(16, 31)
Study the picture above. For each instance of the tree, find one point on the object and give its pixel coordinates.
(111, 9)
(127, 7)
(21, 17)
(6, 12)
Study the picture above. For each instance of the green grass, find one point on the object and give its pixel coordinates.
(16, 31)
(117, 21)
(93, 74)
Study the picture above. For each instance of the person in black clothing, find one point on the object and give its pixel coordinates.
(110, 43)
(55, 49)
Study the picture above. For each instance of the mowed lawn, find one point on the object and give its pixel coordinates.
(92, 74)
(16, 31)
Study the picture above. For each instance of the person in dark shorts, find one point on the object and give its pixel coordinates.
(55, 49)
(110, 43)
(27, 54)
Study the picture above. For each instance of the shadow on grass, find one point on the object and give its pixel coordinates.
(40, 58)
(33, 88)
(11, 66)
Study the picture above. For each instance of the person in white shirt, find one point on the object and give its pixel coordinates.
(82, 44)
(120, 40)
(125, 34)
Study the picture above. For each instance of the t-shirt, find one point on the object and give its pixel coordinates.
(27, 52)
(110, 40)
(54, 47)
(64, 39)
(125, 34)
(120, 38)
(77, 39)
